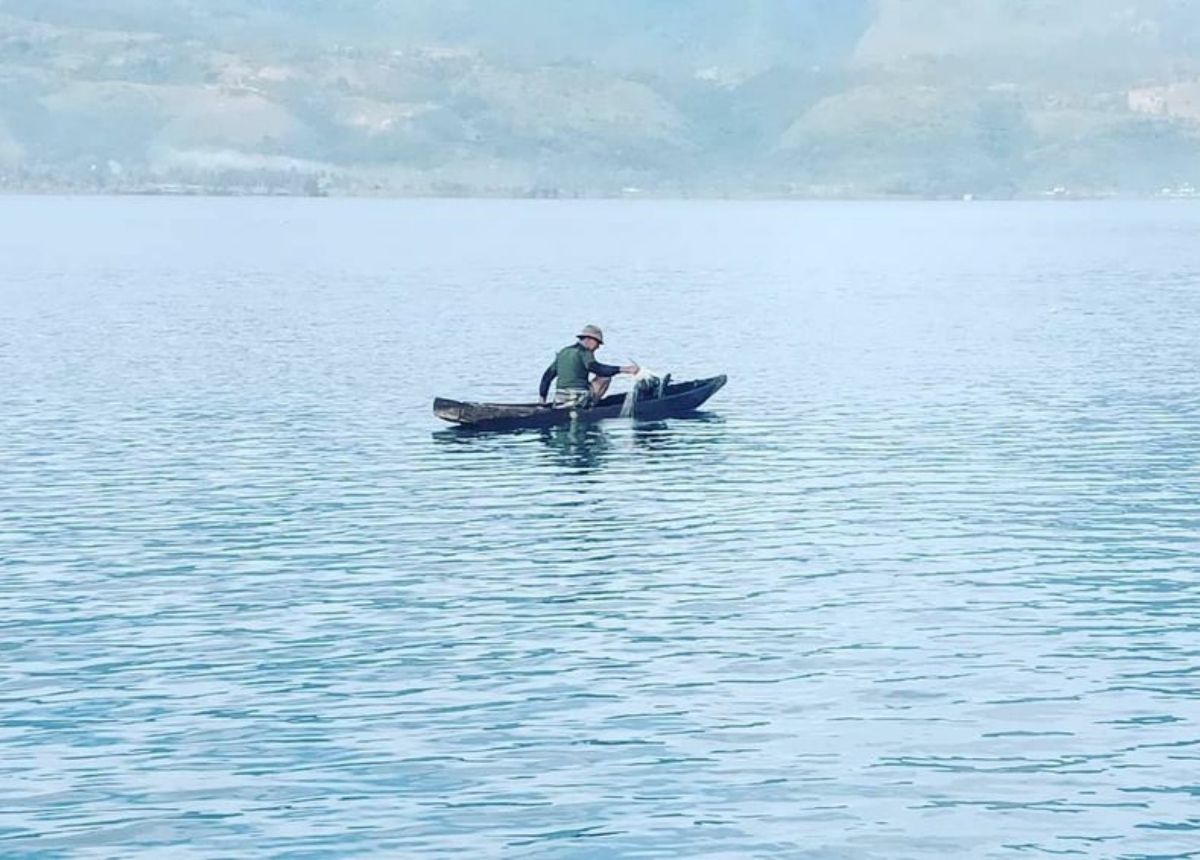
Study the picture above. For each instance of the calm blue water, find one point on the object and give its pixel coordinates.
(923, 582)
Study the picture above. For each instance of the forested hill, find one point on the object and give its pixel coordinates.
(596, 97)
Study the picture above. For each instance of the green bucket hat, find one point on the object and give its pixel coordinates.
(592, 331)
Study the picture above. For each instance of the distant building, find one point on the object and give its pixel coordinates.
(1177, 101)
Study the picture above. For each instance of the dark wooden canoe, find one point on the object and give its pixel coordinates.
(678, 398)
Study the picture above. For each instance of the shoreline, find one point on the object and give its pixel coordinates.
(616, 196)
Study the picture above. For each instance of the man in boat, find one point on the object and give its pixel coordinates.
(572, 367)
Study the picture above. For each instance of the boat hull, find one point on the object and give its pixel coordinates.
(678, 399)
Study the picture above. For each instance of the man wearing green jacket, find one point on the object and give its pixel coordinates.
(572, 367)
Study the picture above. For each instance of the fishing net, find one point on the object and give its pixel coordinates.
(646, 385)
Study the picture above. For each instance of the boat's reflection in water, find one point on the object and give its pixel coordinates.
(580, 448)
(586, 447)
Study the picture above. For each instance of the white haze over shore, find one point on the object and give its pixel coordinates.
(810, 98)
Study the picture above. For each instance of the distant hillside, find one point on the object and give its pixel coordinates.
(598, 97)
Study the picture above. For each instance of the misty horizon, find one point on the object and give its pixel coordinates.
(992, 99)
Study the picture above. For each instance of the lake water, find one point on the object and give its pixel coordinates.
(923, 581)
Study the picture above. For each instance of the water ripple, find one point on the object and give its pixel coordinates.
(921, 582)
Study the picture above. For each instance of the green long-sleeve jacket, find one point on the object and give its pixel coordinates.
(571, 366)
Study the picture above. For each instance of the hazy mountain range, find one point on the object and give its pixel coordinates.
(566, 97)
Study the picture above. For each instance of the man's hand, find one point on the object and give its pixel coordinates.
(632, 369)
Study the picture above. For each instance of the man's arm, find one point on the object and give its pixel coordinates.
(600, 369)
(547, 378)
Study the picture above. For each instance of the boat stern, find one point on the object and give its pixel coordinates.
(450, 410)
